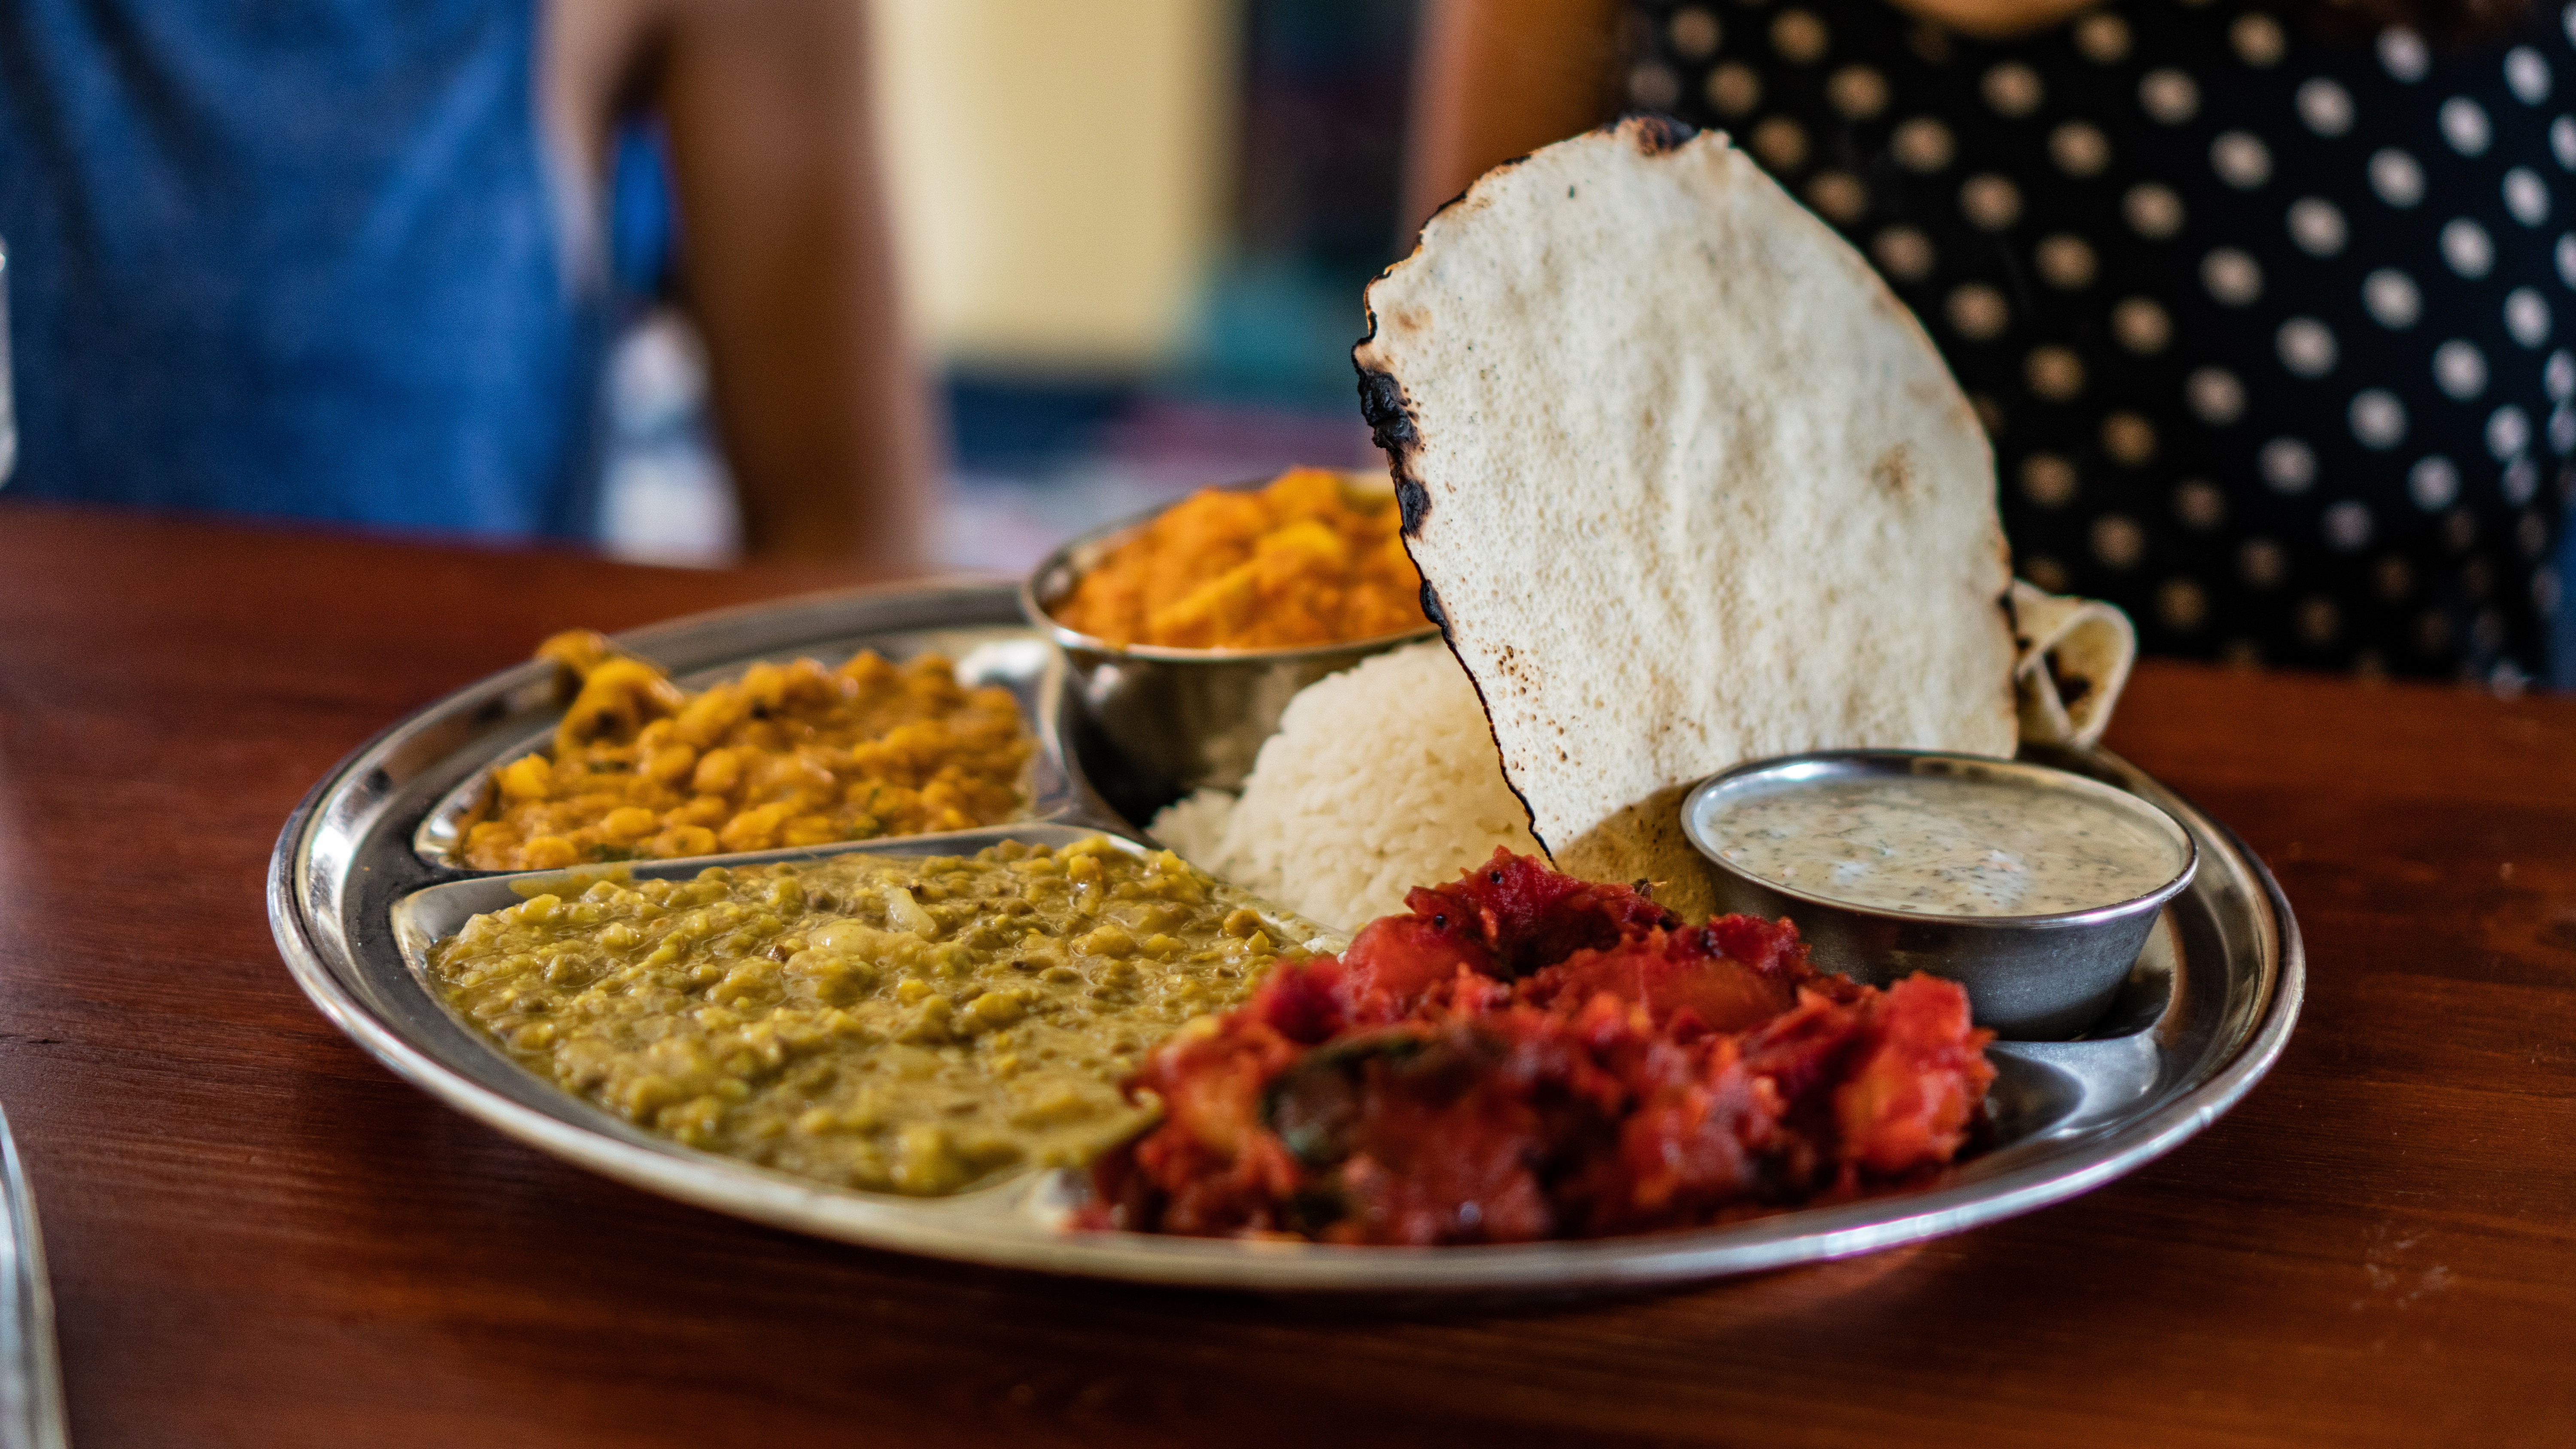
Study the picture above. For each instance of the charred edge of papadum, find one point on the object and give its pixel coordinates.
(1391, 425)
(1397, 432)
(1389, 414)
(1390, 418)
(1383, 403)
(1653, 132)
(1394, 428)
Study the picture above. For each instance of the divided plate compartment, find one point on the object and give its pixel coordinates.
(1016, 659)
(364, 879)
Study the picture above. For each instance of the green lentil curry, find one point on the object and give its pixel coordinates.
(916, 1025)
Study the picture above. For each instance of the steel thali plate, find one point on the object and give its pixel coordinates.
(364, 877)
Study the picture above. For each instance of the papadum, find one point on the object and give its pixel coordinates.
(1687, 485)
(2075, 658)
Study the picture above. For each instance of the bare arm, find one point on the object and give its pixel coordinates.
(1496, 79)
(1992, 19)
(791, 276)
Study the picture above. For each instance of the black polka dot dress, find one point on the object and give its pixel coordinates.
(2273, 332)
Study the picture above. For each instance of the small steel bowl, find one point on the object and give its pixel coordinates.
(2028, 977)
(1175, 720)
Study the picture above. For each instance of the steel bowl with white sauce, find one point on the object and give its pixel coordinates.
(2032, 887)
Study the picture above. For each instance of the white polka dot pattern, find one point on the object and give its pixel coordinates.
(2262, 563)
(2200, 505)
(2324, 106)
(2079, 148)
(2467, 247)
(2307, 346)
(1694, 33)
(2378, 419)
(2102, 38)
(2288, 465)
(2526, 196)
(2459, 369)
(2526, 73)
(2141, 325)
(2154, 211)
(2391, 298)
(2258, 39)
(1781, 143)
(2519, 481)
(2227, 291)
(2526, 316)
(2013, 89)
(1799, 37)
(2232, 277)
(1734, 90)
(1838, 196)
(1979, 311)
(1653, 87)
(2464, 125)
(2433, 483)
(2054, 373)
(2404, 53)
(2118, 541)
(2215, 395)
(1904, 253)
(2173, 97)
(1857, 91)
(2065, 262)
(2347, 526)
(1990, 201)
(2182, 603)
(2397, 177)
(1922, 144)
(2317, 226)
(2241, 160)
(2048, 480)
(2508, 432)
(2129, 439)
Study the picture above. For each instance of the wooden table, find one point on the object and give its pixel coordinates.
(259, 1237)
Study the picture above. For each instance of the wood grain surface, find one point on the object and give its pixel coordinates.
(259, 1237)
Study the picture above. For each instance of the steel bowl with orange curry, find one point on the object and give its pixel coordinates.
(1310, 559)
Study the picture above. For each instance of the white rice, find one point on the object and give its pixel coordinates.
(1381, 778)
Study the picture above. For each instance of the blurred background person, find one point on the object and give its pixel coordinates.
(2266, 305)
(351, 261)
(1131, 237)
(1135, 234)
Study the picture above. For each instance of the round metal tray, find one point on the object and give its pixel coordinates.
(363, 880)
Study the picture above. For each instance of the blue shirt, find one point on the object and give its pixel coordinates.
(297, 258)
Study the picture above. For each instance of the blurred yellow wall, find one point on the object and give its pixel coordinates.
(1058, 169)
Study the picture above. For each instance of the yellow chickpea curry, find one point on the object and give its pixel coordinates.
(788, 755)
(879, 1022)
